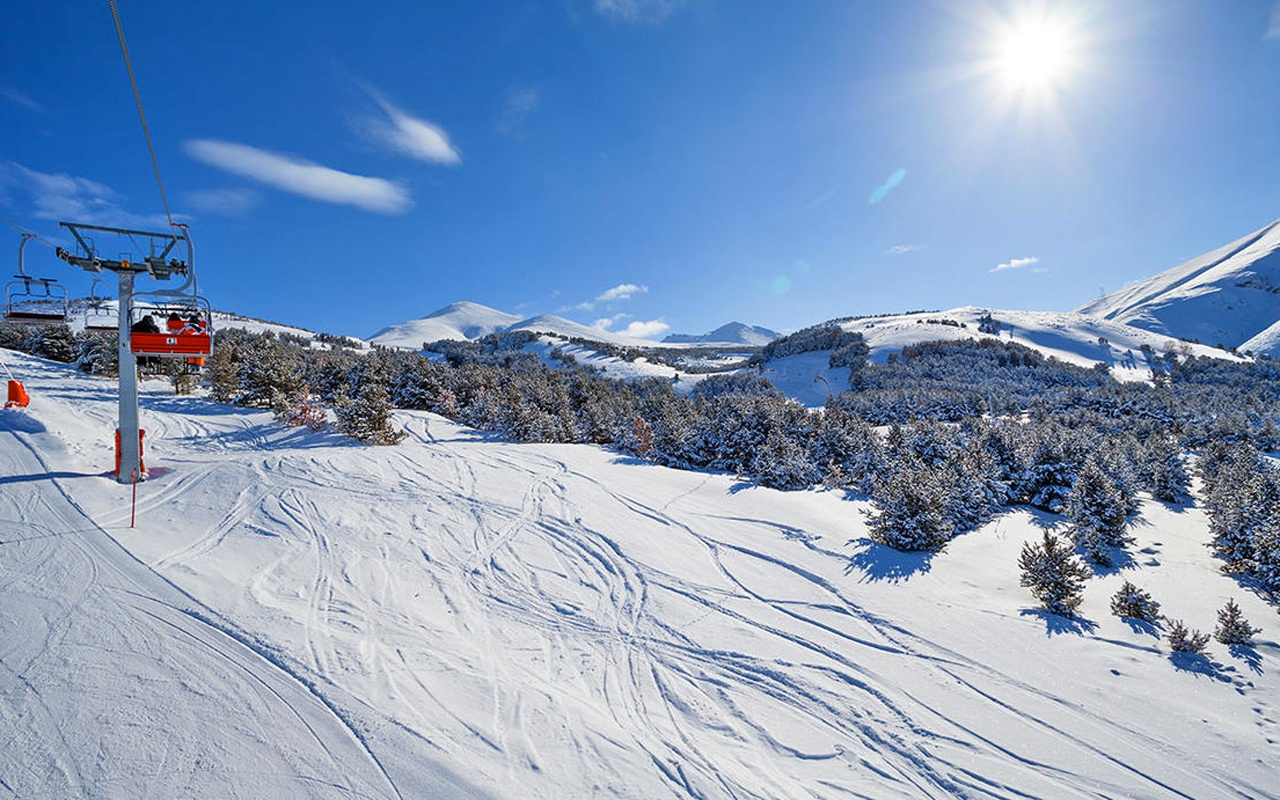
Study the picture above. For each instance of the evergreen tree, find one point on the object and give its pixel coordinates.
(1164, 474)
(911, 509)
(367, 417)
(1053, 574)
(1135, 603)
(1233, 628)
(1183, 641)
(1097, 512)
(58, 344)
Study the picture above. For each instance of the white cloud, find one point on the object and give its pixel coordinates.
(227, 202)
(1273, 29)
(640, 329)
(605, 323)
(1015, 263)
(623, 291)
(19, 99)
(647, 330)
(67, 197)
(520, 103)
(411, 136)
(291, 174)
(638, 11)
(903, 249)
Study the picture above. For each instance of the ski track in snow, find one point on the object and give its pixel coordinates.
(555, 633)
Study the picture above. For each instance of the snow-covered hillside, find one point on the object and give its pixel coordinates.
(734, 333)
(1227, 296)
(458, 321)
(1072, 337)
(458, 616)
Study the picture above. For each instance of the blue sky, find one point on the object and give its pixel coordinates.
(649, 165)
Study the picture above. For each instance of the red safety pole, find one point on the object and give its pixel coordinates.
(133, 509)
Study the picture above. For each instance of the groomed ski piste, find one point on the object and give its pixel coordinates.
(296, 615)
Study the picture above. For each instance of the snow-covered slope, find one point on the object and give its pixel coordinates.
(568, 329)
(307, 617)
(459, 321)
(734, 333)
(1224, 297)
(1072, 337)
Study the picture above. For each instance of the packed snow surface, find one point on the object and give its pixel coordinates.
(1227, 296)
(459, 616)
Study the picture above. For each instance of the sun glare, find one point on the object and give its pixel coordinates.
(1034, 54)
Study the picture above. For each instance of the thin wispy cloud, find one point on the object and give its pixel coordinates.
(623, 291)
(409, 135)
(903, 249)
(68, 197)
(1016, 263)
(226, 202)
(1273, 28)
(19, 99)
(301, 177)
(637, 11)
(518, 105)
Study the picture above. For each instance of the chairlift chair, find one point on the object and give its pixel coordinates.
(34, 300)
(191, 338)
(99, 316)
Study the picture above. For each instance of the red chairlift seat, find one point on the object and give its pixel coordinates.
(187, 334)
(171, 343)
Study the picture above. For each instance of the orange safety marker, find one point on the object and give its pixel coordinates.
(18, 397)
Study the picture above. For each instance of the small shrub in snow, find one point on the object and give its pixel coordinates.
(302, 410)
(1183, 641)
(1053, 574)
(1233, 628)
(1135, 603)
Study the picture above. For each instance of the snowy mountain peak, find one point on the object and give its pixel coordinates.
(459, 321)
(732, 333)
(1227, 296)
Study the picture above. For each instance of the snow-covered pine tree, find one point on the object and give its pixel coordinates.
(57, 343)
(1135, 603)
(367, 417)
(1163, 472)
(1182, 640)
(911, 509)
(1097, 511)
(1233, 628)
(1053, 574)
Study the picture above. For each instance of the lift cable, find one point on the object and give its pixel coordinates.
(137, 97)
(30, 233)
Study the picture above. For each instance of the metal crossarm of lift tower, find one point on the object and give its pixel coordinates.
(157, 265)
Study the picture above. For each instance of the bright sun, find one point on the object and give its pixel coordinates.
(1034, 54)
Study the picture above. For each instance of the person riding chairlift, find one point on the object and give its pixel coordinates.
(175, 323)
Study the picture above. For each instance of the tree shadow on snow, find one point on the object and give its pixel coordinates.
(1121, 560)
(1198, 663)
(1249, 656)
(880, 562)
(1057, 625)
(1142, 626)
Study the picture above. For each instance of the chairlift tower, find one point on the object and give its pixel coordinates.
(159, 264)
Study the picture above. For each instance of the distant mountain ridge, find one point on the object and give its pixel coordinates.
(732, 333)
(1229, 296)
(462, 321)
